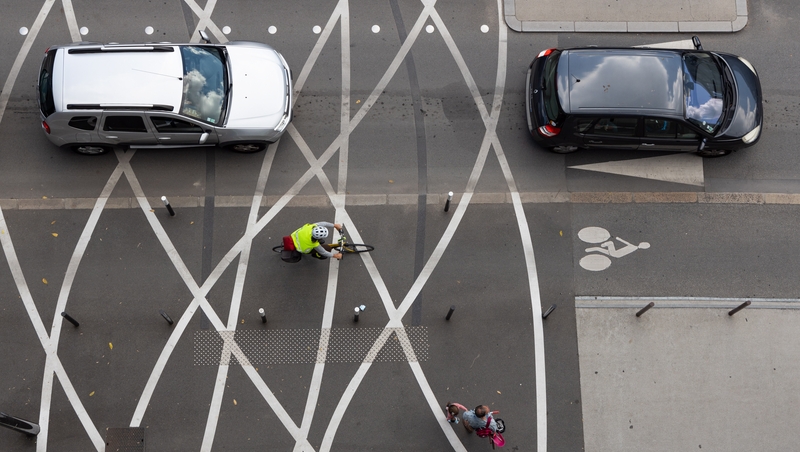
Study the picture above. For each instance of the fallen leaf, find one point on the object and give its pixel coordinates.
(55, 234)
(54, 222)
(561, 233)
(242, 321)
(391, 181)
(111, 346)
(44, 197)
(499, 392)
(44, 280)
(192, 222)
(358, 101)
(91, 393)
(234, 402)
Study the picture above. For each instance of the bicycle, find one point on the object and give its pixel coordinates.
(292, 255)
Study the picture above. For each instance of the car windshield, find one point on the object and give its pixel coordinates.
(703, 90)
(204, 83)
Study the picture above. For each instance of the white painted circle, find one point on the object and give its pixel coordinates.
(429, 28)
(595, 262)
(23, 31)
(84, 31)
(593, 234)
(317, 29)
(272, 29)
(484, 28)
(226, 30)
(376, 28)
(148, 30)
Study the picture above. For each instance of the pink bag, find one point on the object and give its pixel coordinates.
(498, 440)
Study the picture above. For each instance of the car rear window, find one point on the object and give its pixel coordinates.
(550, 87)
(83, 122)
(46, 104)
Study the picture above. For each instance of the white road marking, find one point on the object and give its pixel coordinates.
(243, 245)
(236, 300)
(72, 22)
(681, 168)
(5, 94)
(682, 44)
(50, 343)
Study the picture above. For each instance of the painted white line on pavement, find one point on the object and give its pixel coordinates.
(682, 44)
(315, 52)
(236, 300)
(199, 294)
(5, 94)
(50, 343)
(683, 168)
(205, 22)
(72, 22)
(343, 12)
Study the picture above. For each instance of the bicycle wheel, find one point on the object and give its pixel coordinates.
(355, 248)
(278, 248)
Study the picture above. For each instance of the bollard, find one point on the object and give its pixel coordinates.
(739, 308)
(355, 317)
(166, 317)
(450, 312)
(70, 319)
(169, 207)
(21, 425)
(263, 315)
(447, 203)
(644, 309)
(549, 310)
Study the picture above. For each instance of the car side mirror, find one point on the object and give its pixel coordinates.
(702, 145)
(696, 43)
(204, 37)
(203, 138)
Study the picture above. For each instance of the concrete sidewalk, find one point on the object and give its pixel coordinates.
(688, 378)
(622, 16)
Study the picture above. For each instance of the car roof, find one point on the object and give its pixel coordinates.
(622, 81)
(119, 77)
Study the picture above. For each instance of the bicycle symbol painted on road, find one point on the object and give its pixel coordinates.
(600, 262)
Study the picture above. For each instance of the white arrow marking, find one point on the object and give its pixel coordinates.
(678, 168)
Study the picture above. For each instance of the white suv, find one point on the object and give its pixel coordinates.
(94, 97)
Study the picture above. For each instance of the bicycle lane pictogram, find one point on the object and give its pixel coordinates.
(607, 248)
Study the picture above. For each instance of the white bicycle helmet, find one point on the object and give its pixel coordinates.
(319, 232)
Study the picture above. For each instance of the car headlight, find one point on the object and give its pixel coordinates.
(747, 63)
(282, 125)
(752, 135)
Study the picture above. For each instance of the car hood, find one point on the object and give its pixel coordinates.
(259, 87)
(748, 112)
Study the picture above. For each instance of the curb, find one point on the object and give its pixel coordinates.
(356, 200)
(533, 26)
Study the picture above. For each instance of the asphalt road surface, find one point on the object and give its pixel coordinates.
(397, 104)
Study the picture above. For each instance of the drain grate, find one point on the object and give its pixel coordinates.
(129, 439)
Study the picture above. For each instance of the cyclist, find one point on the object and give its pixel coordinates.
(309, 239)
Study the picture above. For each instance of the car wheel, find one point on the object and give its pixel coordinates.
(90, 149)
(713, 152)
(246, 148)
(564, 149)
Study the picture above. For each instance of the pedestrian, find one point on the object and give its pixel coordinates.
(477, 419)
(453, 409)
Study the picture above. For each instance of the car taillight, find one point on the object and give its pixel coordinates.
(545, 53)
(46, 50)
(549, 131)
(46, 127)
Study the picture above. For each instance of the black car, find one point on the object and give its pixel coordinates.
(643, 98)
